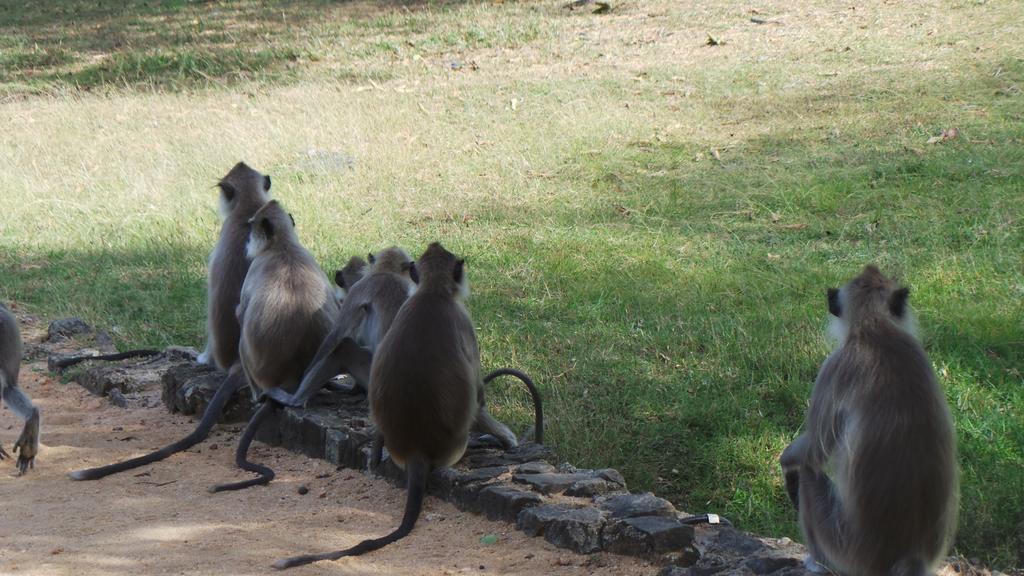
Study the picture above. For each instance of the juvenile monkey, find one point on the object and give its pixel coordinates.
(426, 387)
(365, 316)
(27, 444)
(874, 474)
(286, 309)
(346, 278)
(242, 192)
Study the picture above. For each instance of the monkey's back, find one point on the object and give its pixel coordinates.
(10, 346)
(227, 269)
(288, 310)
(897, 474)
(424, 379)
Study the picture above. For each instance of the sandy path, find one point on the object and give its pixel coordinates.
(129, 524)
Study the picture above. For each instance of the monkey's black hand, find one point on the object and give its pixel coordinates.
(281, 397)
(3, 453)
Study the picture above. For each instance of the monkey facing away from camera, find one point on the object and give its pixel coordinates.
(286, 309)
(874, 475)
(346, 278)
(365, 316)
(242, 192)
(425, 387)
(27, 444)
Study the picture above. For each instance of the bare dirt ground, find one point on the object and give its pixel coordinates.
(160, 519)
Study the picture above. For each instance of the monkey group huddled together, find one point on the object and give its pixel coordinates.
(873, 475)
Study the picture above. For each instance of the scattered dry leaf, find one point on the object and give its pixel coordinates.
(946, 136)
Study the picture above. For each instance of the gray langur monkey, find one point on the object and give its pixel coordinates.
(365, 316)
(426, 388)
(874, 474)
(27, 444)
(346, 278)
(242, 192)
(286, 309)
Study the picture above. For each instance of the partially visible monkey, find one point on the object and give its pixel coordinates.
(286, 309)
(242, 192)
(874, 474)
(27, 444)
(426, 387)
(347, 277)
(365, 316)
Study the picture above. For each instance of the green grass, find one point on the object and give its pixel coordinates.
(650, 222)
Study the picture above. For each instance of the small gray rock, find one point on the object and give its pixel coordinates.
(66, 328)
(117, 398)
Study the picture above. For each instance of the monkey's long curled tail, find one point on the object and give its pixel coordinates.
(538, 408)
(140, 353)
(234, 381)
(242, 452)
(416, 470)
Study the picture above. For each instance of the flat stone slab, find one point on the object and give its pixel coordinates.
(578, 529)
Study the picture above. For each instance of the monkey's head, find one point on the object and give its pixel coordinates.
(439, 269)
(269, 227)
(242, 186)
(353, 272)
(396, 261)
(870, 297)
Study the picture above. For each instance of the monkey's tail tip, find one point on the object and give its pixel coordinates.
(80, 475)
(297, 561)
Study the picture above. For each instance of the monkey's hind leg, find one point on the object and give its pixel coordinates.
(347, 356)
(821, 519)
(487, 424)
(242, 453)
(27, 445)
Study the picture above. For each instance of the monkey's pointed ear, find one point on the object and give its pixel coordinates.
(413, 273)
(898, 302)
(370, 258)
(227, 190)
(266, 183)
(833, 302)
(459, 271)
(292, 218)
(339, 278)
(267, 227)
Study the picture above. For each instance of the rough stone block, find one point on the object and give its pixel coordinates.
(590, 487)
(771, 564)
(647, 535)
(500, 502)
(578, 529)
(633, 505)
(188, 387)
